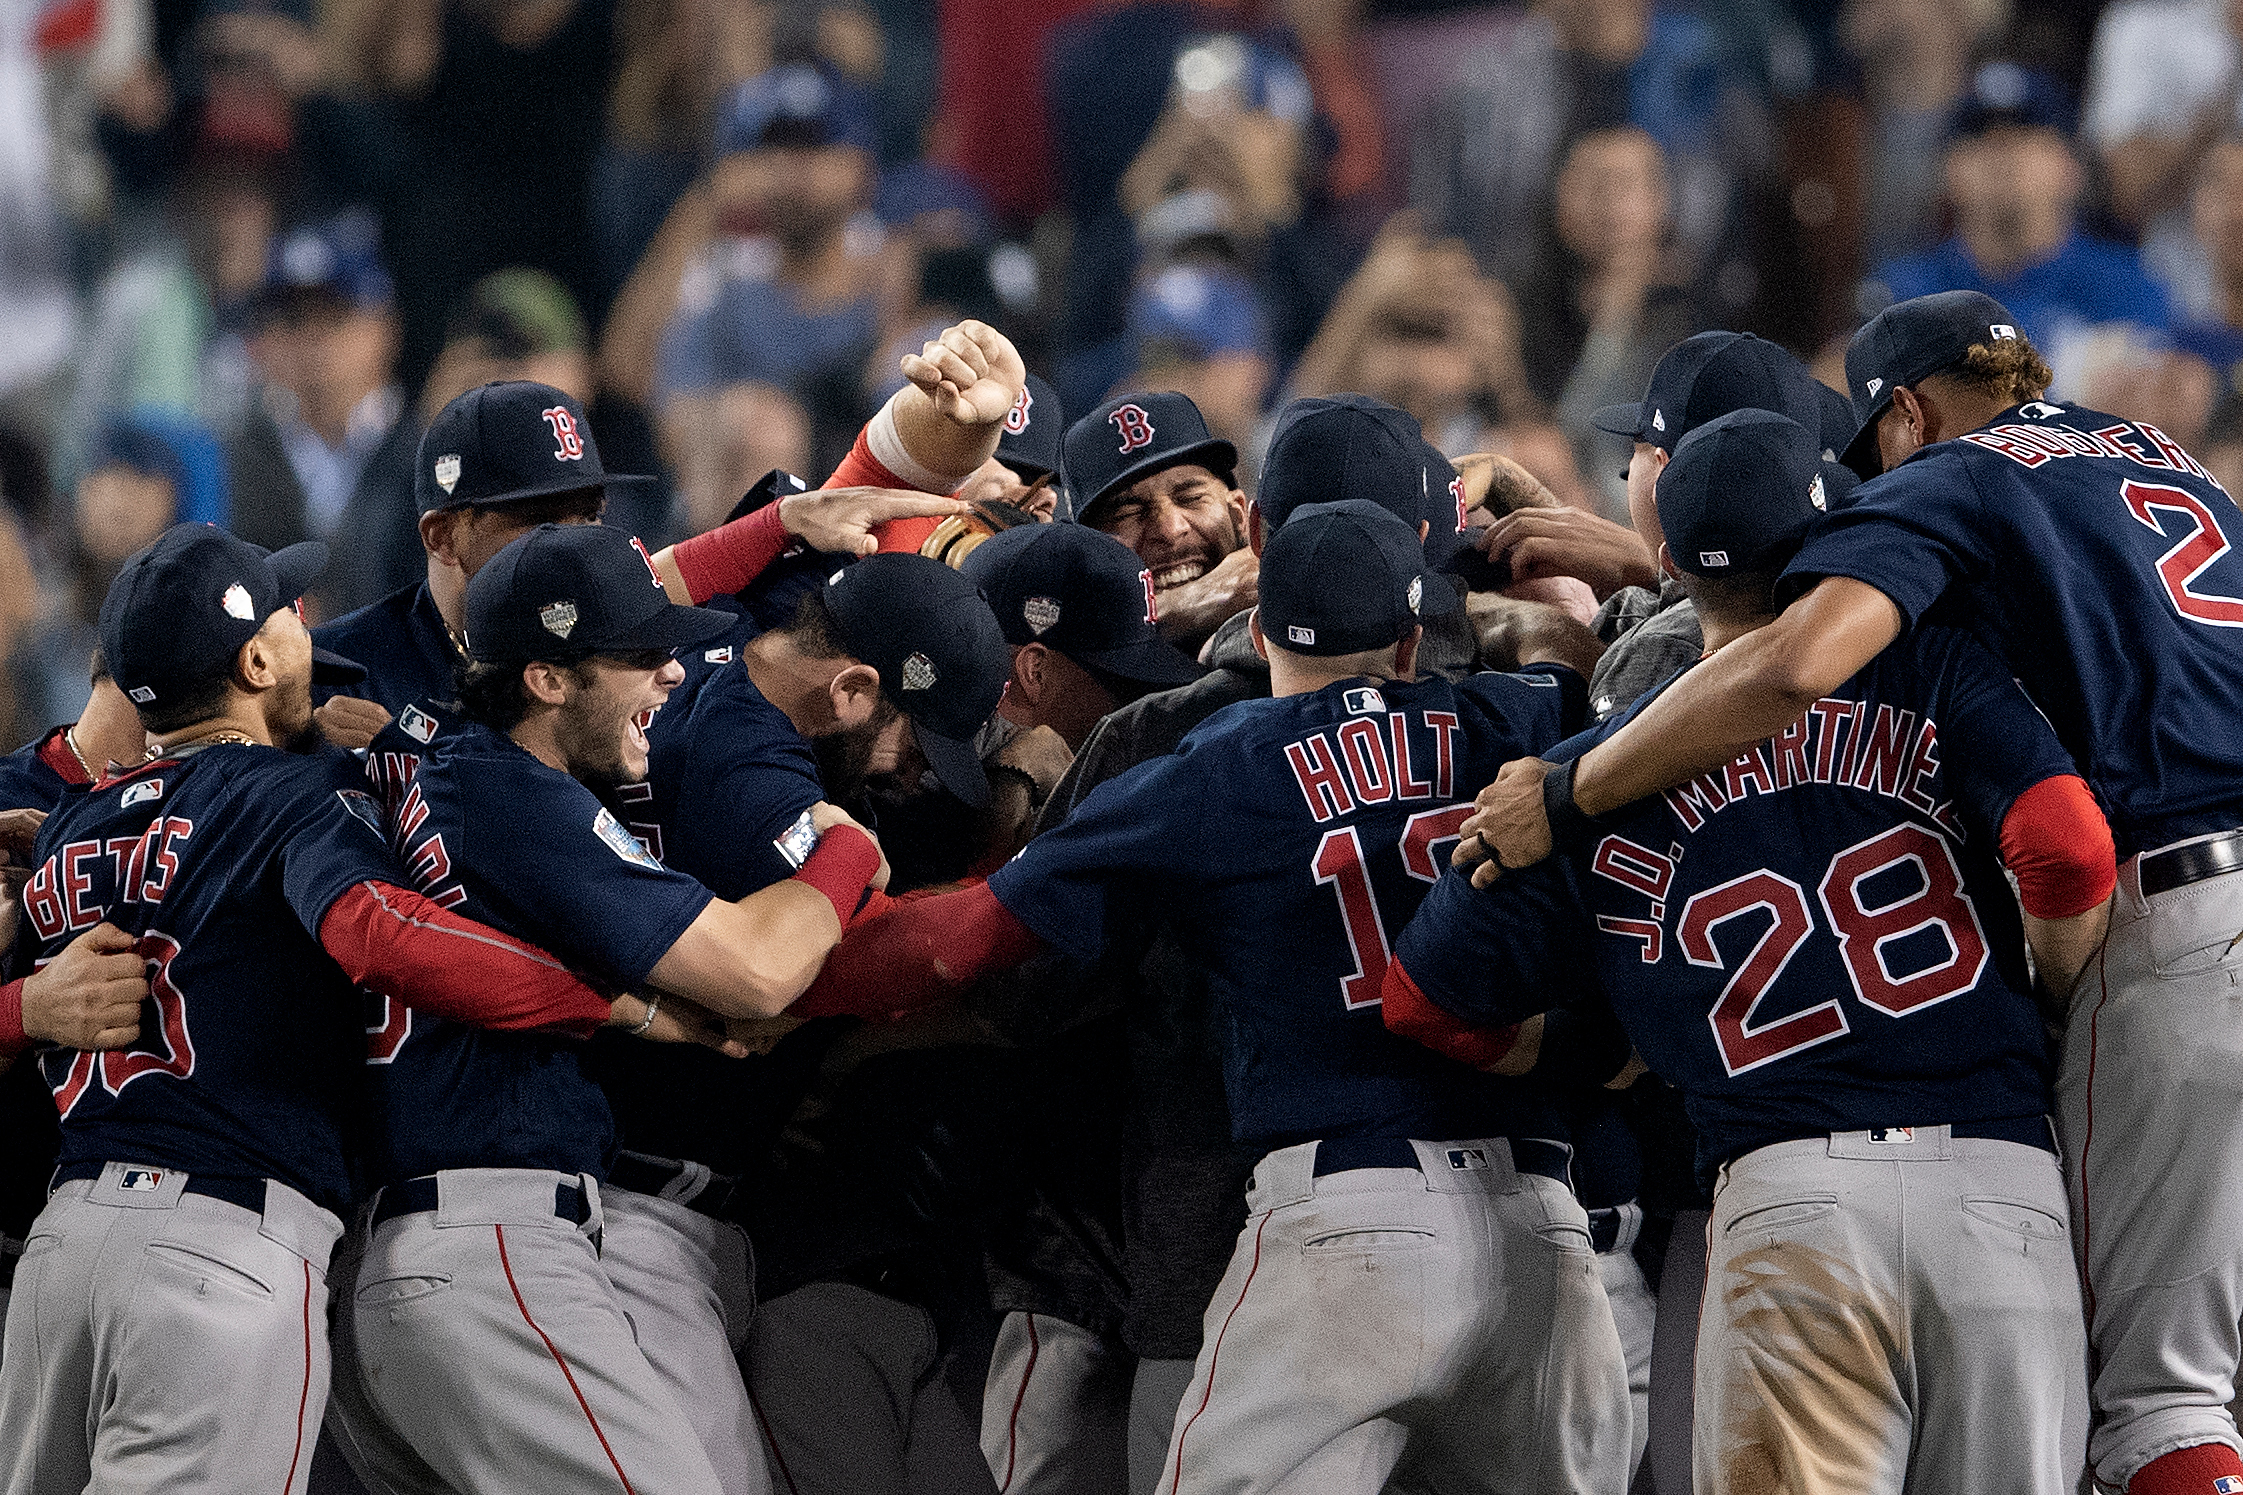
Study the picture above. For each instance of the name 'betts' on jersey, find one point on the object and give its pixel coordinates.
(1816, 938)
(224, 863)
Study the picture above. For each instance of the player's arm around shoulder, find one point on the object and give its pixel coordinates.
(753, 957)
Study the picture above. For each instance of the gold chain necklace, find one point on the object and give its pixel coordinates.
(70, 741)
(224, 734)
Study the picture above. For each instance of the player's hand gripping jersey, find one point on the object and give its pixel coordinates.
(1817, 938)
(2098, 557)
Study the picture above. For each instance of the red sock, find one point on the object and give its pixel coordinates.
(2204, 1469)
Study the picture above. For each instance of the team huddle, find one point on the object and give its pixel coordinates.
(407, 988)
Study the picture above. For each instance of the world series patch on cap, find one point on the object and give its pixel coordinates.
(1081, 593)
(566, 591)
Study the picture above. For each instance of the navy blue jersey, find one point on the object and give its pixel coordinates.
(1816, 938)
(485, 828)
(2094, 556)
(404, 645)
(1288, 839)
(727, 774)
(225, 863)
(34, 776)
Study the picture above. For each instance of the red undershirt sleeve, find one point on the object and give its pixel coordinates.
(400, 944)
(1410, 1013)
(730, 556)
(2058, 844)
(13, 1040)
(902, 953)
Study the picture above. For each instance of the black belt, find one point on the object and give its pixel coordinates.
(642, 1174)
(418, 1196)
(1340, 1154)
(2032, 1131)
(2163, 871)
(248, 1193)
(1604, 1229)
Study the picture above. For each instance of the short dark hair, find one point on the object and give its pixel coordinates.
(1749, 594)
(546, 508)
(198, 702)
(97, 668)
(815, 631)
(494, 695)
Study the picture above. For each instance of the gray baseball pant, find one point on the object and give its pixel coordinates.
(1055, 1415)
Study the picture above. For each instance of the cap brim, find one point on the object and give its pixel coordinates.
(542, 490)
(955, 763)
(1861, 453)
(1225, 454)
(674, 627)
(330, 668)
(1618, 420)
(296, 567)
(1148, 663)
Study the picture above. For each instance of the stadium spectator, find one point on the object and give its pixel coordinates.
(2014, 183)
(1915, 58)
(1198, 329)
(325, 448)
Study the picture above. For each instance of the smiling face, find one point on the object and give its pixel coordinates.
(601, 728)
(1181, 521)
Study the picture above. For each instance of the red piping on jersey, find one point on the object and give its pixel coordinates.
(568, 1375)
(58, 755)
(304, 1400)
(1012, 1428)
(2087, 1142)
(1215, 1355)
(771, 1441)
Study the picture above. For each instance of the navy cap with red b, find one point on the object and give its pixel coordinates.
(942, 659)
(564, 592)
(1082, 593)
(1134, 436)
(1340, 578)
(503, 442)
(181, 608)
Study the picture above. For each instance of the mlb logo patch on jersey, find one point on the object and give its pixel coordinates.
(142, 792)
(1892, 1136)
(361, 804)
(141, 1180)
(2227, 1484)
(416, 724)
(620, 840)
(1361, 700)
(1468, 1159)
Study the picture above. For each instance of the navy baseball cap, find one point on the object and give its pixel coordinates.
(1084, 594)
(510, 440)
(1134, 436)
(1710, 375)
(799, 105)
(183, 605)
(1350, 446)
(563, 592)
(1028, 441)
(942, 659)
(1742, 492)
(339, 257)
(1908, 341)
(1339, 578)
(2008, 93)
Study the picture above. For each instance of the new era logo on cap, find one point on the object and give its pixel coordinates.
(1874, 386)
(1658, 420)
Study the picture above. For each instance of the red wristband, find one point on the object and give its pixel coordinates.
(13, 1040)
(730, 556)
(842, 867)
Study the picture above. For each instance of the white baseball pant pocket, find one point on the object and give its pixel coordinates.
(490, 1339)
(162, 1339)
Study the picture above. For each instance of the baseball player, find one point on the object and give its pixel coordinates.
(106, 733)
(479, 1352)
(2093, 552)
(1024, 472)
(1392, 1188)
(1816, 944)
(896, 659)
(203, 1167)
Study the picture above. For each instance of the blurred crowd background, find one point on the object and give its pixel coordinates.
(248, 247)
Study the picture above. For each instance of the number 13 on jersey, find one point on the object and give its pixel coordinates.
(1339, 864)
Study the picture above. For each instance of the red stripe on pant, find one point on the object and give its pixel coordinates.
(1012, 1429)
(1215, 1355)
(304, 1398)
(568, 1375)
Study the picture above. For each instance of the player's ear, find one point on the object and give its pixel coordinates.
(855, 696)
(548, 684)
(1028, 671)
(1667, 566)
(1254, 627)
(436, 534)
(257, 663)
(1257, 532)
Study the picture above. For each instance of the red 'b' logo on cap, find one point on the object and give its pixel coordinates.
(1152, 597)
(1016, 419)
(1456, 491)
(640, 546)
(568, 442)
(1135, 425)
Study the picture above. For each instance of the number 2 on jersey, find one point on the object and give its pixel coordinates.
(2190, 556)
(1339, 863)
